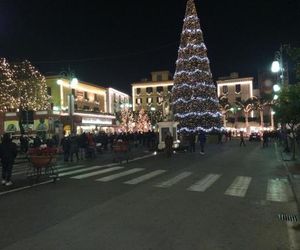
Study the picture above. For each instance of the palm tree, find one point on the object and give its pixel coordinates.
(247, 106)
(225, 107)
(260, 105)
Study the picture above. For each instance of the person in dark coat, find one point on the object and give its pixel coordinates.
(8, 153)
(66, 146)
(74, 147)
(242, 140)
(169, 144)
(202, 141)
(192, 138)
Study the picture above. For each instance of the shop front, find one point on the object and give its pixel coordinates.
(96, 124)
(84, 122)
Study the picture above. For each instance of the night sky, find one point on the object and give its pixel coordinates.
(115, 43)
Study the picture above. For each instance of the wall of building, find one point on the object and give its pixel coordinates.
(151, 94)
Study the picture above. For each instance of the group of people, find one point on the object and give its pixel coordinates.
(86, 145)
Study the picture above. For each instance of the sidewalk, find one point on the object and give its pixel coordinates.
(293, 169)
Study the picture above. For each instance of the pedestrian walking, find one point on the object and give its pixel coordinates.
(192, 139)
(242, 141)
(229, 135)
(220, 137)
(202, 141)
(8, 153)
(65, 143)
(169, 144)
(74, 147)
(82, 143)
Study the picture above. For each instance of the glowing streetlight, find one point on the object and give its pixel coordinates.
(275, 97)
(275, 67)
(276, 88)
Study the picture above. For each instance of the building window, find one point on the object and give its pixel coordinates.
(95, 97)
(86, 108)
(96, 109)
(225, 89)
(238, 99)
(170, 88)
(75, 107)
(149, 100)
(238, 88)
(138, 91)
(149, 90)
(139, 101)
(159, 78)
(159, 89)
(49, 92)
(159, 99)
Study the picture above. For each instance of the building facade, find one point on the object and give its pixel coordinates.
(235, 89)
(154, 94)
(80, 107)
(116, 100)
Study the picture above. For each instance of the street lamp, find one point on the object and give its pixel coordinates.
(72, 82)
(276, 88)
(152, 110)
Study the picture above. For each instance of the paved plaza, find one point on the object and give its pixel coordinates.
(229, 198)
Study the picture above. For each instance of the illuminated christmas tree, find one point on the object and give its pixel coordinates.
(195, 102)
(127, 121)
(31, 91)
(7, 86)
(143, 123)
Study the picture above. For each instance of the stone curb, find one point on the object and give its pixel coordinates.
(292, 182)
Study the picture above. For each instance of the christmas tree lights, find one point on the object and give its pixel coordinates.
(143, 123)
(195, 102)
(22, 87)
(31, 91)
(127, 121)
(7, 86)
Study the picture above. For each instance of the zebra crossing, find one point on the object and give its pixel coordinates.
(277, 190)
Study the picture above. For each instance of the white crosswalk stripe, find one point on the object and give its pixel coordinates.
(239, 186)
(85, 170)
(103, 171)
(204, 183)
(174, 180)
(119, 175)
(145, 177)
(278, 190)
(62, 169)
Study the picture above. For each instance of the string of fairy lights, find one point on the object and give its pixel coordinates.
(195, 102)
(22, 87)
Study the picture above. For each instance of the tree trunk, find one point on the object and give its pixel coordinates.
(261, 113)
(246, 119)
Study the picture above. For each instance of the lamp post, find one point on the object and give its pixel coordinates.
(279, 68)
(152, 109)
(72, 82)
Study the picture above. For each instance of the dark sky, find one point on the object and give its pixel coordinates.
(116, 42)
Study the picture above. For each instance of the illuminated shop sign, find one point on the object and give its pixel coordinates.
(100, 121)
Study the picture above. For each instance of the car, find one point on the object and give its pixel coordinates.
(255, 136)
